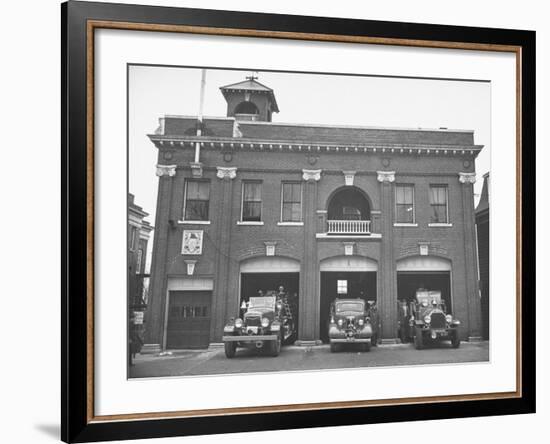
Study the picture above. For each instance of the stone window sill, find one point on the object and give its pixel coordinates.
(402, 224)
(434, 225)
(242, 222)
(194, 222)
(290, 224)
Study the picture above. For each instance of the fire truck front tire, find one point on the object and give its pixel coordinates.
(230, 349)
(276, 347)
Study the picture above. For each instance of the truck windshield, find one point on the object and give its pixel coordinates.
(266, 301)
(349, 306)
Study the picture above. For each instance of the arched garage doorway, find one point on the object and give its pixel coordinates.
(268, 274)
(429, 272)
(345, 277)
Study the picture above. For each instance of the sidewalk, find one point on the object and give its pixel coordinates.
(295, 358)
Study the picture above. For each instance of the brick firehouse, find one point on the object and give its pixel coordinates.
(246, 204)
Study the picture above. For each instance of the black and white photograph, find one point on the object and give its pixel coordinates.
(303, 221)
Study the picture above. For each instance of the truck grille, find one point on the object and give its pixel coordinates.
(252, 321)
(438, 320)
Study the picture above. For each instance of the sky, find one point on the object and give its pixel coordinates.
(302, 98)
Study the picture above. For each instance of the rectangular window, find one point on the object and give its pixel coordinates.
(342, 286)
(404, 204)
(252, 202)
(291, 202)
(197, 199)
(138, 260)
(133, 238)
(438, 204)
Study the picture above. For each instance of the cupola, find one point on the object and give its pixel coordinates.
(250, 100)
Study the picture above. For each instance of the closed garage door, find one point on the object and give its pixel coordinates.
(189, 319)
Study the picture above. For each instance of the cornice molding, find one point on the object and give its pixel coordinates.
(312, 147)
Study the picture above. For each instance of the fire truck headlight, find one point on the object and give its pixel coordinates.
(340, 322)
(265, 322)
(427, 319)
(449, 319)
(238, 322)
(361, 322)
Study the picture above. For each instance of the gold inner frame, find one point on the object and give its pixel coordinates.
(92, 25)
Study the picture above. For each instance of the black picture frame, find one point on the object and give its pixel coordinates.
(77, 422)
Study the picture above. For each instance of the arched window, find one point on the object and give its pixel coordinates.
(246, 108)
(348, 204)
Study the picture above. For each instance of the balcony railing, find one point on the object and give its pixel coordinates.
(359, 227)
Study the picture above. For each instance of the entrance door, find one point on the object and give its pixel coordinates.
(189, 319)
(343, 284)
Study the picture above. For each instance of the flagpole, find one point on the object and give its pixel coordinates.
(199, 117)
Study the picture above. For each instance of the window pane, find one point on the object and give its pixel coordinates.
(438, 195)
(296, 212)
(252, 201)
(404, 194)
(252, 191)
(342, 286)
(292, 202)
(404, 214)
(291, 192)
(192, 189)
(439, 214)
(198, 190)
(287, 192)
(292, 212)
(438, 201)
(287, 212)
(204, 191)
(197, 197)
(408, 195)
(196, 210)
(252, 211)
(399, 195)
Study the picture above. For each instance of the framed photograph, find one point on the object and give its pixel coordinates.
(276, 221)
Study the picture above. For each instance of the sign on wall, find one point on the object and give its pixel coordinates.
(192, 242)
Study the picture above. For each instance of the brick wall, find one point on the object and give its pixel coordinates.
(227, 243)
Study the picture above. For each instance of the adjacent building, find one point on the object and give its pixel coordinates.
(139, 232)
(482, 227)
(247, 204)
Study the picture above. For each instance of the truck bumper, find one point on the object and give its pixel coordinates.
(250, 338)
(442, 333)
(350, 340)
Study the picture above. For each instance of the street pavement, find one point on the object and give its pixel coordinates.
(294, 358)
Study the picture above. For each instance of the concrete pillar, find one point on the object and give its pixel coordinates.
(154, 321)
(308, 329)
(470, 256)
(220, 296)
(387, 278)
